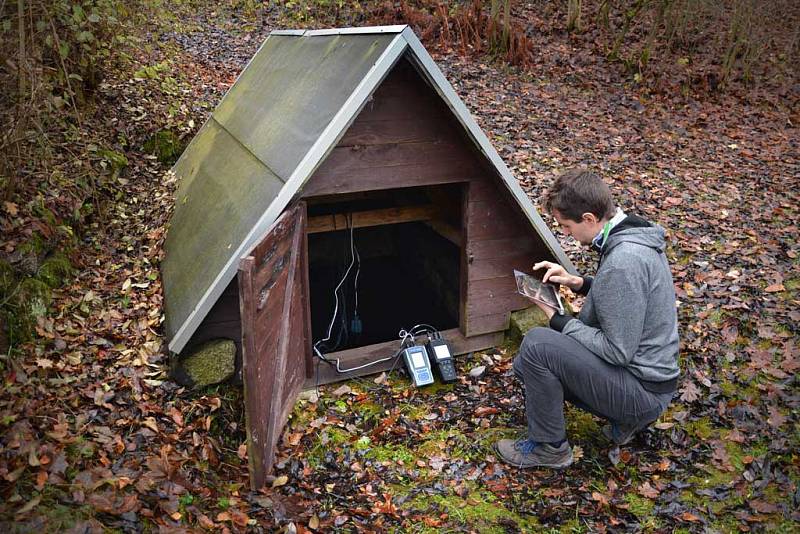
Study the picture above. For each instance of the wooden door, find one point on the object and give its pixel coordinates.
(276, 334)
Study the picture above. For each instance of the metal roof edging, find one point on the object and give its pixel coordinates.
(458, 107)
(321, 147)
(397, 28)
(287, 32)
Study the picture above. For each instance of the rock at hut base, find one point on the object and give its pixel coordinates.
(210, 363)
(522, 321)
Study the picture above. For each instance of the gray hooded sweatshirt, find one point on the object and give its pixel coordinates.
(629, 317)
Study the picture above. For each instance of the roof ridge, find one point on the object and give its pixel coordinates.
(395, 28)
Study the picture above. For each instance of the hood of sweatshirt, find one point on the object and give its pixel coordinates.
(634, 229)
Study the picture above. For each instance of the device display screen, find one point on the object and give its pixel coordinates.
(441, 352)
(417, 360)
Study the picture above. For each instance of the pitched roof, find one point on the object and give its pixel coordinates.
(287, 110)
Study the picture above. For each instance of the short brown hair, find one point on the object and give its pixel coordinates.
(579, 191)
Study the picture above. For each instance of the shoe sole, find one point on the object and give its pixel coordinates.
(561, 465)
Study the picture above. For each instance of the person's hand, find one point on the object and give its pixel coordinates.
(558, 275)
(548, 310)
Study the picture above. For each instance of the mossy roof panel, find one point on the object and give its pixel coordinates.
(223, 191)
(292, 89)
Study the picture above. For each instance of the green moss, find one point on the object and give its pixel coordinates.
(478, 510)
(329, 438)
(764, 344)
(392, 453)
(7, 278)
(35, 245)
(413, 411)
(55, 270)
(638, 505)
(166, 146)
(26, 303)
(716, 317)
(436, 387)
(211, 363)
(522, 321)
(581, 426)
(714, 478)
(701, 428)
(114, 161)
(368, 410)
(484, 442)
(728, 388)
(793, 284)
(451, 443)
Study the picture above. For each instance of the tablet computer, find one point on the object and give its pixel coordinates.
(539, 291)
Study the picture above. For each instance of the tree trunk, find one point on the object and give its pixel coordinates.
(574, 15)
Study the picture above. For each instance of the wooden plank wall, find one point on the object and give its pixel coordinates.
(406, 137)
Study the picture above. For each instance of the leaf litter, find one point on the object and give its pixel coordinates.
(95, 434)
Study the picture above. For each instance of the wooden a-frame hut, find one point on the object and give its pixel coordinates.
(331, 143)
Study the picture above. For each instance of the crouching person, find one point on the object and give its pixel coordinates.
(618, 358)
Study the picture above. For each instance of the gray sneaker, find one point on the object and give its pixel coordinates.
(525, 452)
(620, 433)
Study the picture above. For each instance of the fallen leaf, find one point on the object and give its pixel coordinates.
(689, 516)
(10, 208)
(342, 390)
(690, 392)
(206, 522)
(776, 418)
(646, 490)
(150, 422)
(30, 505)
(600, 498)
(280, 481)
(763, 507)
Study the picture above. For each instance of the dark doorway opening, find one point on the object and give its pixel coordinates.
(404, 274)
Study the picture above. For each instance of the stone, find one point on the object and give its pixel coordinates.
(210, 363)
(524, 320)
(309, 395)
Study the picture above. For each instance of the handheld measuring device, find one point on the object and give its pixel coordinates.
(440, 355)
(418, 365)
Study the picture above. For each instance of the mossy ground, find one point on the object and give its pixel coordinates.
(467, 507)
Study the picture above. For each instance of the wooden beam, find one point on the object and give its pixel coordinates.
(348, 359)
(448, 231)
(360, 219)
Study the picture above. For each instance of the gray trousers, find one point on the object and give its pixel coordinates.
(554, 368)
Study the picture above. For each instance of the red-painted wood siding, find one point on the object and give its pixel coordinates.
(406, 137)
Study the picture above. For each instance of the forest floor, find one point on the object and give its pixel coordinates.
(96, 437)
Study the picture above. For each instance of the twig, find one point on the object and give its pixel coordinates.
(57, 44)
(22, 59)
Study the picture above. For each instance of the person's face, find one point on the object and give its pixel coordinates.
(583, 231)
